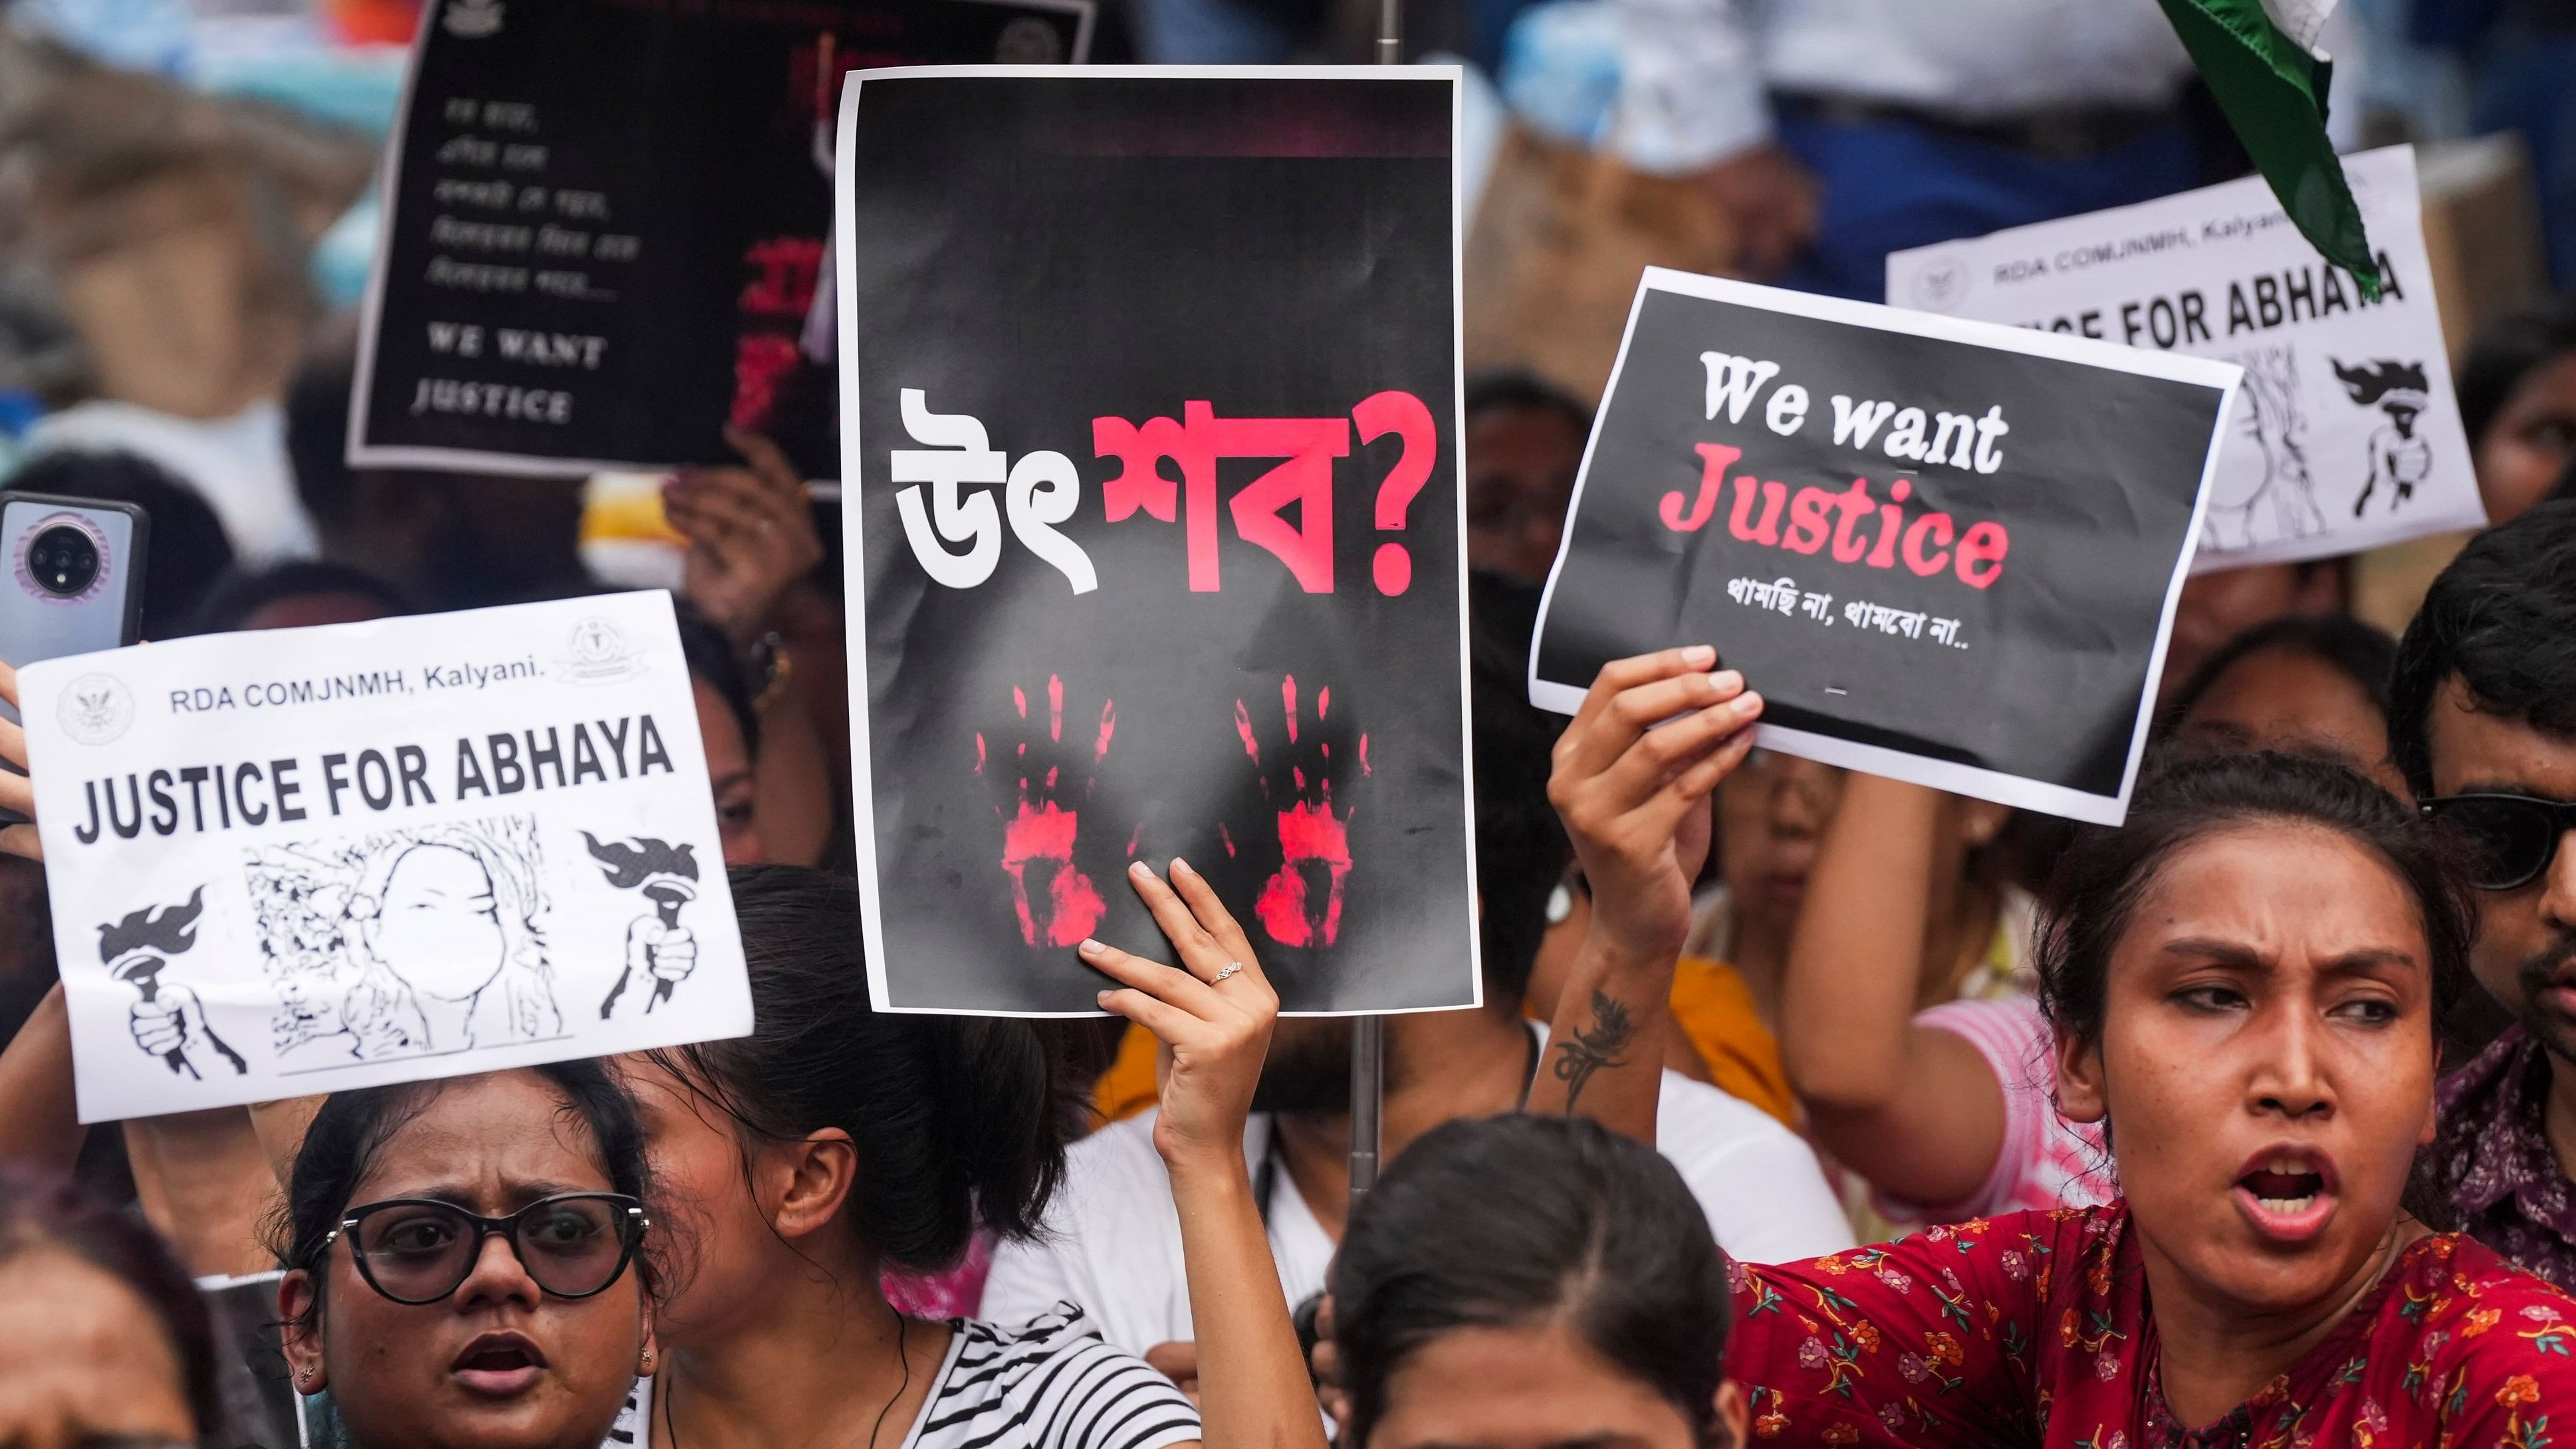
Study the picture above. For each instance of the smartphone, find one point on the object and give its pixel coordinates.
(71, 579)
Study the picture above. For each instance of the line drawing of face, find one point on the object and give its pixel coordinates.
(438, 926)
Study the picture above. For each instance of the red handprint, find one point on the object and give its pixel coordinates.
(1058, 904)
(1301, 903)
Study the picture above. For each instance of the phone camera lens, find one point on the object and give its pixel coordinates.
(63, 562)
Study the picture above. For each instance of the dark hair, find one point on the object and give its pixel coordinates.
(957, 1119)
(2506, 353)
(2502, 618)
(1515, 388)
(317, 423)
(354, 1126)
(244, 592)
(1521, 846)
(1521, 1219)
(188, 550)
(711, 658)
(40, 1212)
(2362, 653)
(2099, 881)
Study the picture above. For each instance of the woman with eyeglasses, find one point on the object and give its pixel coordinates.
(467, 1263)
(2242, 984)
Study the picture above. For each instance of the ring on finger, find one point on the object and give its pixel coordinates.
(1231, 968)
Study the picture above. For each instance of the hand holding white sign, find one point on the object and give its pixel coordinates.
(17, 791)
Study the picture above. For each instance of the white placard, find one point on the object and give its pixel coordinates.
(2346, 435)
(303, 860)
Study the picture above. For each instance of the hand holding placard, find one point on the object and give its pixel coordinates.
(17, 791)
(1655, 735)
(1953, 561)
(751, 535)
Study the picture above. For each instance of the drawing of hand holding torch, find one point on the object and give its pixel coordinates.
(136, 950)
(658, 947)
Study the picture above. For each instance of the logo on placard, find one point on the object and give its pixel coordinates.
(599, 654)
(1029, 41)
(473, 19)
(96, 709)
(1941, 285)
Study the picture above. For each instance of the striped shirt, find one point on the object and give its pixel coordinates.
(1049, 1383)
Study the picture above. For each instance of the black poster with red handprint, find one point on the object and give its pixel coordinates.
(607, 224)
(1151, 407)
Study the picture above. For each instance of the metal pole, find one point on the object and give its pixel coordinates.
(1368, 1033)
(1368, 1101)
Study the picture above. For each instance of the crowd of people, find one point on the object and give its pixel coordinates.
(1804, 1106)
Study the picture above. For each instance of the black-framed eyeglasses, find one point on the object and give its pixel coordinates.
(2512, 838)
(418, 1250)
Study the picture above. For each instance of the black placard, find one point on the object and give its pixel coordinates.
(607, 219)
(1152, 405)
(1943, 551)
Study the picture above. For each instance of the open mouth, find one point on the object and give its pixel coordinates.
(2287, 1193)
(499, 1363)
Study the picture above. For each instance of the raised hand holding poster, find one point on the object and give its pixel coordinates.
(302, 860)
(2346, 435)
(1942, 551)
(606, 224)
(1150, 397)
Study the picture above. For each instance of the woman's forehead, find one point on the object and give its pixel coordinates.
(2279, 888)
(498, 1133)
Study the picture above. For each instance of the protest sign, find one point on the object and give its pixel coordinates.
(303, 860)
(606, 222)
(1942, 551)
(1151, 397)
(2346, 434)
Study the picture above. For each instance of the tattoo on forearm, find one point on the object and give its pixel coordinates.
(1595, 1047)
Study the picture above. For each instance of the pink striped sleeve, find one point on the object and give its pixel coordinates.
(2045, 1161)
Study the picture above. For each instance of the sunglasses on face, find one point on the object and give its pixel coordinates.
(417, 1250)
(2512, 838)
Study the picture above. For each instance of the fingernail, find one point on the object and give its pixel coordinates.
(1102, 998)
(1748, 703)
(1181, 867)
(1089, 947)
(1699, 656)
(1726, 679)
(1140, 869)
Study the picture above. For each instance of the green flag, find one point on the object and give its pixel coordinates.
(2261, 65)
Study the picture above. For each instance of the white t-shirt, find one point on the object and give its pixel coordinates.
(1114, 1241)
(1049, 1383)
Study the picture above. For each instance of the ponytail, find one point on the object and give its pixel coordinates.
(955, 1119)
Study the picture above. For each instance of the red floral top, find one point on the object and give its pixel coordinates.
(2032, 1329)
